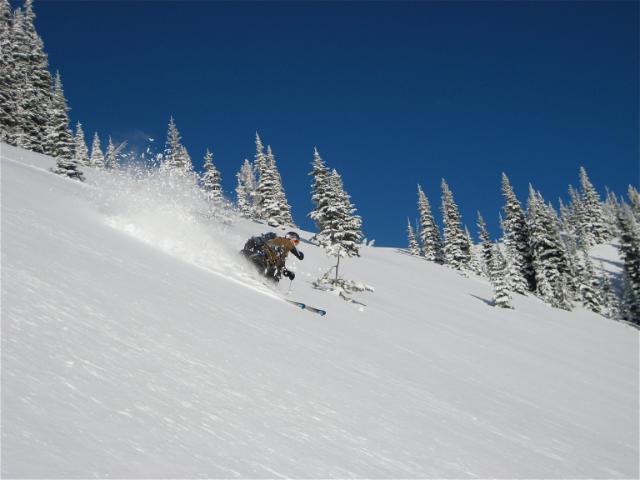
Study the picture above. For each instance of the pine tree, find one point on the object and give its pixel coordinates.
(97, 157)
(59, 141)
(284, 217)
(260, 166)
(634, 199)
(31, 77)
(176, 159)
(473, 263)
(111, 161)
(592, 211)
(68, 167)
(259, 157)
(549, 256)
(499, 280)
(573, 262)
(245, 190)
(629, 248)
(610, 213)
(414, 248)
(273, 206)
(584, 236)
(516, 233)
(588, 284)
(28, 127)
(342, 234)
(211, 180)
(487, 246)
(610, 301)
(19, 136)
(430, 238)
(8, 85)
(455, 245)
(562, 294)
(319, 191)
(566, 219)
(516, 281)
(81, 151)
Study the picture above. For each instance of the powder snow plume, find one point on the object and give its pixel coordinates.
(172, 213)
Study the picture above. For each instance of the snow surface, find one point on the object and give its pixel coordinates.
(136, 343)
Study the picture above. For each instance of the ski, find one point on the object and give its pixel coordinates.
(304, 306)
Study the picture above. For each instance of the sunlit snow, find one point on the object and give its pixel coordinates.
(137, 343)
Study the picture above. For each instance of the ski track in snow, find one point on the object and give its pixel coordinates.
(134, 345)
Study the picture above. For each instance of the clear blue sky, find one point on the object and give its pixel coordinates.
(391, 93)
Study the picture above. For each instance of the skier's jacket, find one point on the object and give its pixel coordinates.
(270, 251)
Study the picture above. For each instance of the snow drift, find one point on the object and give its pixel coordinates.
(136, 343)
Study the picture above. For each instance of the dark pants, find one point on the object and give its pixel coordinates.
(259, 260)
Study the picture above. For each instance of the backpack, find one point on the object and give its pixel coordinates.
(255, 244)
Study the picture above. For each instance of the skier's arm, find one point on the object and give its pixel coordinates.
(298, 254)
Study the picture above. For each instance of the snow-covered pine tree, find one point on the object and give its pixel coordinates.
(516, 281)
(68, 167)
(629, 248)
(455, 245)
(20, 138)
(8, 86)
(97, 157)
(634, 200)
(573, 261)
(414, 248)
(39, 74)
(81, 151)
(245, 190)
(610, 301)
(588, 284)
(549, 256)
(284, 217)
(499, 280)
(110, 160)
(430, 238)
(610, 213)
(319, 190)
(516, 233)
(260, 166)
(566, 219)
(211, 179)
(273, 206)
(59, 141)
(31, 76)
(29, 125)
(259, 157)
(342, 232)
(592, 210)
(563, 295)
(473, 263)
(175, 156)
(578, 215)
(487, 246)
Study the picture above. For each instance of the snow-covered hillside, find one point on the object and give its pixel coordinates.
(136, 343)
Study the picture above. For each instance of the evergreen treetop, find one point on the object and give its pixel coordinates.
(81, 151)
(97, 157)
(211, 179)
(429, 231)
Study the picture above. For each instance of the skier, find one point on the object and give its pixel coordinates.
(268, 253)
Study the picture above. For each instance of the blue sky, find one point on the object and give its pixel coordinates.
(392, 93)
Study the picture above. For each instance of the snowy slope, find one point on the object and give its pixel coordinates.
(135, 343)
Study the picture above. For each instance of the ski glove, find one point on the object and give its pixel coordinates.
(299, 255)
(290, 275)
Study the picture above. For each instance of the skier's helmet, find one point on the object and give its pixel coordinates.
(293, 236)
